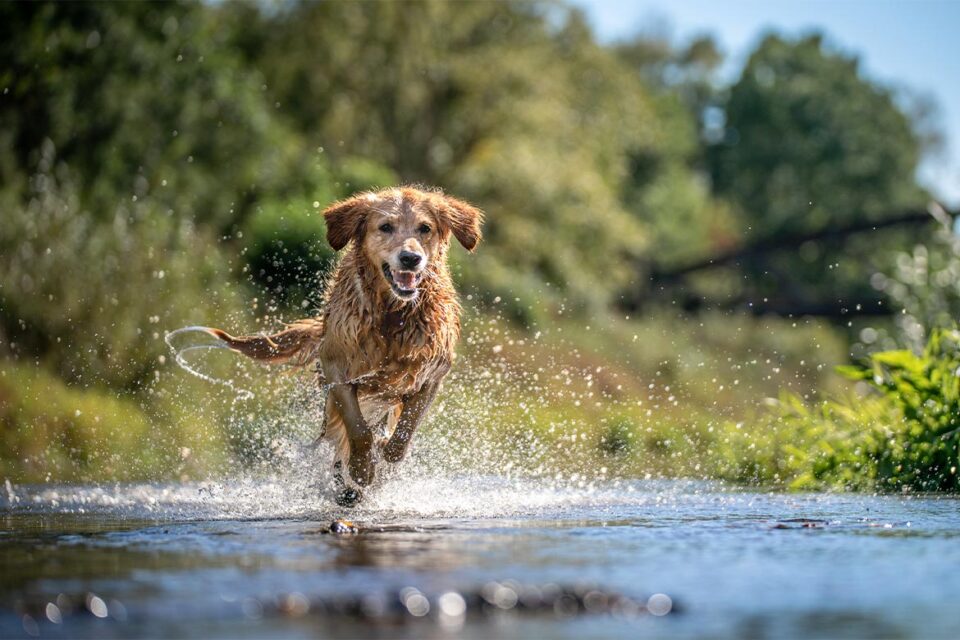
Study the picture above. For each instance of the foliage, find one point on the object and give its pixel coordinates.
(284, 243)
(51, 430)
(480, 98)
(138, 100)
(95, 294)
(663, 396)
(905, 437)
(924, 452)
(923, 286)
(801, 151)
(801, 148)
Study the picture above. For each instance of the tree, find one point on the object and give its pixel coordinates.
(666, 186)
(507, 104)
(809, 143)
(138, 100)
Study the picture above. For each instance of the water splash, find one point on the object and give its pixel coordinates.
(294, 496)
(178, 356)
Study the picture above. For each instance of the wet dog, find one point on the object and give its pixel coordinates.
(389, 324)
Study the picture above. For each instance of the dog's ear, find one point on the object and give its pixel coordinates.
(345, 220)
(463, 219)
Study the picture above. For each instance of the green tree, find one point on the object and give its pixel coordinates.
(667, 187)
(811, 143)
(139, 100)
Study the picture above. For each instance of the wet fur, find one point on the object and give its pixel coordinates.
(383, 355)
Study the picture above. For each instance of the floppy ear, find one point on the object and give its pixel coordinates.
(464, 221)
(345, 220)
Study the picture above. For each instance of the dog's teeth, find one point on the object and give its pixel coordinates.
(405, 279)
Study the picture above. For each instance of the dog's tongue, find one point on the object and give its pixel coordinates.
(405, 279)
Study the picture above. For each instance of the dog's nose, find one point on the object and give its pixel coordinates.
(409, 259)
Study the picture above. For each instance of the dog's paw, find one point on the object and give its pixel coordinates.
(349, 497)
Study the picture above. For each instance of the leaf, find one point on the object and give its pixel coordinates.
(854, 372)
(901, 359)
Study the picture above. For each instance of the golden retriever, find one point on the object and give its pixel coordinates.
(389, 323)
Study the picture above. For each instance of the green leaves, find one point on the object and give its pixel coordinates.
(802, 147)
(903, 437)
(924, 391)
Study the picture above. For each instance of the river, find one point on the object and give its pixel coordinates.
(252, 557)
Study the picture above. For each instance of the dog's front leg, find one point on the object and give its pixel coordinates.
(414, 409)
(359, 433)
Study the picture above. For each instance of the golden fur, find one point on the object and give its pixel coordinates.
(387, 332)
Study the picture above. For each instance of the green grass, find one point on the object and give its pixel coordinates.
(53, 431)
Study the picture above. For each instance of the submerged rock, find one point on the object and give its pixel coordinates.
(343, 527)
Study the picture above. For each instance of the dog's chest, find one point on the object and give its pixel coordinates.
(404, 356)
(391, 353)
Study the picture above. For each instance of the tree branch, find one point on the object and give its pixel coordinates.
(791, 240)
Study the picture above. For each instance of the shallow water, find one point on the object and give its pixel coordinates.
(211, 559)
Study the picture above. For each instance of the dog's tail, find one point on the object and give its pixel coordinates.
(296, 345)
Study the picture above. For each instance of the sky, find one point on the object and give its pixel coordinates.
(906, 43)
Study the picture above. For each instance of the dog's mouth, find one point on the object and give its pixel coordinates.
(403, 283)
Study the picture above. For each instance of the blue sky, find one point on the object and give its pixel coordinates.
(913, 43)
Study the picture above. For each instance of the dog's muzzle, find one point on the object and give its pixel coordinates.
(403, 283)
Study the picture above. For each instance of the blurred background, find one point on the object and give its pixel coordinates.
(695, 214)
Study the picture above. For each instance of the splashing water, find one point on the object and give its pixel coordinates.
(305, 496)
(180, 352)
(518, 413)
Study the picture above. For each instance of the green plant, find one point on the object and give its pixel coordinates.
(904, 437)
(925, 390)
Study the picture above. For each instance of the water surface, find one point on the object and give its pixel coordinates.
(212, 559)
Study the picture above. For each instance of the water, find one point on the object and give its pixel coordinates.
(211, 559)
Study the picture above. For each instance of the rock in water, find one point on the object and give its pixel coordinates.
(343, 527)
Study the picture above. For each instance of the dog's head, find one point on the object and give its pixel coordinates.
(403, 233)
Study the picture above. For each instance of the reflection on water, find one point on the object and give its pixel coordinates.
(225, 559)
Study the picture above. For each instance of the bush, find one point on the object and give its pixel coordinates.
(925, 390)
(92, 297)
(51, 431)
(903, 437)
(284, 239)
(286, 250)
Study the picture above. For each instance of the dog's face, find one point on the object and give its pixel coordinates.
(403, 233)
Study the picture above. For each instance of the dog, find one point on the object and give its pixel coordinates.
(387, 331)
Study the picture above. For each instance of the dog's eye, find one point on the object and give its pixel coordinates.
(424, 228)
(386, 227)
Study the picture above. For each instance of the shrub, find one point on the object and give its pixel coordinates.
(903, 437)
(925, 390)
(52, 431)
(92, 297)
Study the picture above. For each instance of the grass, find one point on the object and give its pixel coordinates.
(53, 431)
